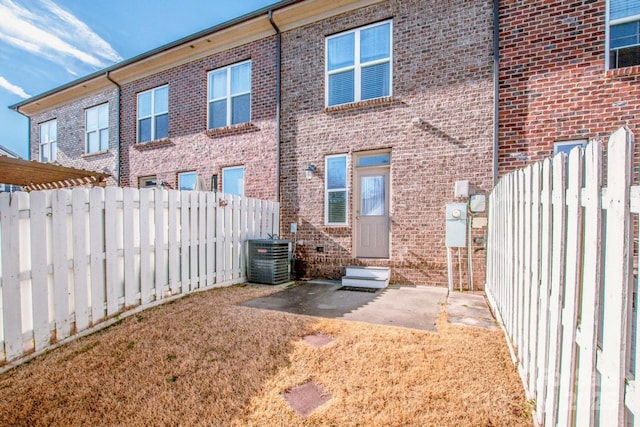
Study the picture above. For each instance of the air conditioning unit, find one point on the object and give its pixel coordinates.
(268, 261)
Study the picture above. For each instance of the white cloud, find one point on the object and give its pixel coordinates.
(49, 31)
(16, 90)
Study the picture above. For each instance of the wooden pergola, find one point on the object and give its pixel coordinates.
(32, 175)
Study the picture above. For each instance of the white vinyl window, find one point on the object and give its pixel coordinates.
(153, 114)
(233, 180)
(358, 64)
(229, 95)
(96, 127)
(187, 181)
(567, 146)
(624, 33)
(335, 195)
(147, 182)
(48, 141)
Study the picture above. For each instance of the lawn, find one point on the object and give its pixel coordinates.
(202, 360)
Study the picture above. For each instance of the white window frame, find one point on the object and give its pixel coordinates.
(228, 97)
(152, 114)
(195, 182)
(97, 130)
(335, 190)
(574, 143)
(47, 143)
(357, 66)
(609, 23)
(224, 180)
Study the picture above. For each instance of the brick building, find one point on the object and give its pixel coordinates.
(569, 72)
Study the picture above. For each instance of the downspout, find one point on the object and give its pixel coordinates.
(278, 99)
(117, 124)
(496, 86)
(17, 110)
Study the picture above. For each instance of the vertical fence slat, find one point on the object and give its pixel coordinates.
(39, 269)
(557, 286)
(228, 237)
(589, 296)
(219, 239)
(79, 199)
(130, 281)
(159, 242)
(145, 246)
(617, 275)
(193, 240)
(243, 233)
(96, 218)
(520, 290)
(61, 264)
(202, 241)
(211, 236)
(111, 253)
(573, 267)
(235, 248)
(174, 250)
(11, 300)
(526, 279)
(184, 241)
(545, 273)
(535, 280)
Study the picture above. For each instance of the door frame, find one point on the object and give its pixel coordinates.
(356, 194)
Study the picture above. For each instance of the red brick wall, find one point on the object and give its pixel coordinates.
(553, 82)
(443, 74)
(189, 146)
(71, 135)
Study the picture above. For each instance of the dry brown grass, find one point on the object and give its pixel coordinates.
(204, 361)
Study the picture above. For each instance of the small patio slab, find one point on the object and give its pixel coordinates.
(415, 307)
(306, 398)
(469, 309)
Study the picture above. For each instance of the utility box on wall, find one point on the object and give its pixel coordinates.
(456, 219)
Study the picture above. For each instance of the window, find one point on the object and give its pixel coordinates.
(153, 114)
(335, 198)
(229, 95)
(96, 126)
(624, 33)
(358, 64)
(147, 182)
(567, 146)
(233, 180)
(49, 141)
(187, 181)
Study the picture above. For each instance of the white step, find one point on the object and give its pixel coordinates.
(383, 273)
(364, 282)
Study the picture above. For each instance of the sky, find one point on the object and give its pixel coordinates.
(47, 43)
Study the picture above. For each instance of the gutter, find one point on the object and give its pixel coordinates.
(496, 87)
(17, 110)
(106, 74)
(278, 98)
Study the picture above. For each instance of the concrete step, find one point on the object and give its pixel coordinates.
(364, 282)
(369, 272)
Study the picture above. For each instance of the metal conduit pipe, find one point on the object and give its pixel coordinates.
(117, 124)
(278, 99)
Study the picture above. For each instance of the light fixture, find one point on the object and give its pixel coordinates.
(310, 170)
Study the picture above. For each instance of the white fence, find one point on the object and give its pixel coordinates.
(70, 259)
(560, 275)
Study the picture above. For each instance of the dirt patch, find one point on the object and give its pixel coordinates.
(202, 360)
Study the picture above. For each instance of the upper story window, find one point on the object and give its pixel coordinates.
(49, 141)
(335, 195)
(229, 95)
(97, 129)
(358, 64)
(233, 180)
(624, 33)
(153, 114)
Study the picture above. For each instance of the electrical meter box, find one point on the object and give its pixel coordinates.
(456, 219)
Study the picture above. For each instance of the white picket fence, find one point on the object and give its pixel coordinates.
(560, 275)
(70, 259)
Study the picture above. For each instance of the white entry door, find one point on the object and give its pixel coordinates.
(371, 212)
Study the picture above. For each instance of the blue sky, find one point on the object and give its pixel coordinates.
(46, 43)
